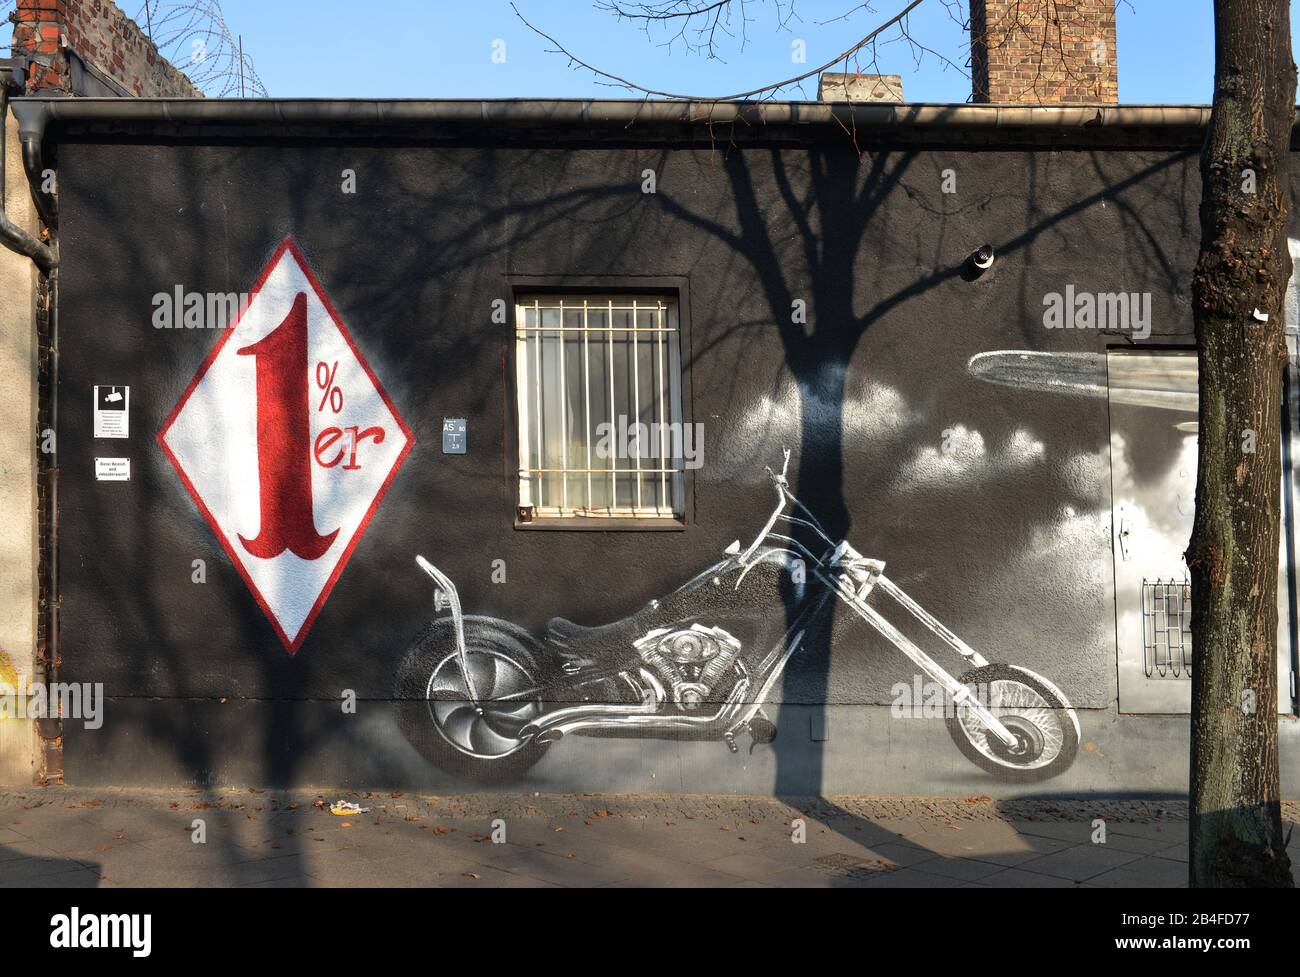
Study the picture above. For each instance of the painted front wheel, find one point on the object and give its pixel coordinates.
(1033, 710)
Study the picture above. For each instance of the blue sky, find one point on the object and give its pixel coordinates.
(443, 49)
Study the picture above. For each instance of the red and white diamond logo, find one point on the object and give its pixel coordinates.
(287, 443)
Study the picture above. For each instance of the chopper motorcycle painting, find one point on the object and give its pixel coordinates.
(485, 698)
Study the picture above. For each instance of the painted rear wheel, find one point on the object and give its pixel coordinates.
(479, 736)
(486, 727)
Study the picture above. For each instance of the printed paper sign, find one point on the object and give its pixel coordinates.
(112, 412)
(112, 469)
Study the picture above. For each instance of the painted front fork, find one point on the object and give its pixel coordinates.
(856, 597)
(445, 595)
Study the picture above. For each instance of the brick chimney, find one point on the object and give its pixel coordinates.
(1044, 52)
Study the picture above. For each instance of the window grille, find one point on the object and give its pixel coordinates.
(1167, 628)
(600, 422)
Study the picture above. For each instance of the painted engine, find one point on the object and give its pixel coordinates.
(690, 661)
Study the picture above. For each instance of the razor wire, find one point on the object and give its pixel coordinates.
(194, 37)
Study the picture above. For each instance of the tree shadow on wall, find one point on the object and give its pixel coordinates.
(803, 225)
(834, 219)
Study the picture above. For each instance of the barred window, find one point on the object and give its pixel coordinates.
(600, 420)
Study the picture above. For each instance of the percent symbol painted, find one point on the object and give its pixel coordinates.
(336, 446)
(333, 393)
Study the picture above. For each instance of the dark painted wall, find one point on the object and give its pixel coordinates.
(1005, 539)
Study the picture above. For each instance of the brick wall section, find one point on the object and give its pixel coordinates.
(1044, 52)
(101, 34)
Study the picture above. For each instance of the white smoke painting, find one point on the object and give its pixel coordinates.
(961, 458)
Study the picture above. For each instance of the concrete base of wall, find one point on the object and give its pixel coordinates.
(291, 744)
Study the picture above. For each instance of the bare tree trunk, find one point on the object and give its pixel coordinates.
(1241, 277)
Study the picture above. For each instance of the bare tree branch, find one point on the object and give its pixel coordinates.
(633, 86)
(666, 11)
(697, 22)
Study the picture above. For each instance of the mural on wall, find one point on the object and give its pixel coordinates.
(484, 696)
(990, 503)
(287, 443)
(1152, 397)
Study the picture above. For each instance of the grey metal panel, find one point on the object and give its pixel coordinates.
(1153, 397)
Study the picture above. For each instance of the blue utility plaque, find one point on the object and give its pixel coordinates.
(453, 435)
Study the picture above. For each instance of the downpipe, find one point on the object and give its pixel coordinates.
(49, 658)
(12, 236)
(32, 139)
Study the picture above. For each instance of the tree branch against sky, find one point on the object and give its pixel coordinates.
(696, 24)
(701, 27)
(445, 49)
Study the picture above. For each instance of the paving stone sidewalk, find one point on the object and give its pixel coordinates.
(61, 837)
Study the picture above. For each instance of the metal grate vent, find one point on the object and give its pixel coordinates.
(1166, 628)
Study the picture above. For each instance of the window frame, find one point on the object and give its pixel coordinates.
(673, 288)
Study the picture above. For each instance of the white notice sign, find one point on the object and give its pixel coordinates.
(112, 469)
(112, 412)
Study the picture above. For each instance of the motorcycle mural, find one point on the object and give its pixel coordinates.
(483, 697)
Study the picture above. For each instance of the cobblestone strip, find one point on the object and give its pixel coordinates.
(633, 806)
